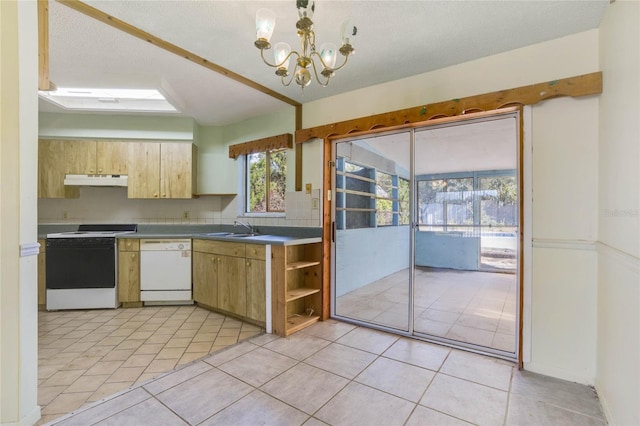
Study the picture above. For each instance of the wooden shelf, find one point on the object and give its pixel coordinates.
(298, 293)
(301, 264)
(295, 323)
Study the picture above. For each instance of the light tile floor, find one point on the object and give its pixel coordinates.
(84, 356)
(470, 307)
(339, 374)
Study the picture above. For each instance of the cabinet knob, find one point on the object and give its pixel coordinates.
(91, 171)
(155, 195)
(99, 170)
(248, 263)
(133, 256)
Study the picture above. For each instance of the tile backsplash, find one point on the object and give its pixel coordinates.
(111, 205)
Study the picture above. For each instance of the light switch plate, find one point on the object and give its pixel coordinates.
(308, 188)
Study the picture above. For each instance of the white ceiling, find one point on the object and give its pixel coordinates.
(396, 39)
(455, 147)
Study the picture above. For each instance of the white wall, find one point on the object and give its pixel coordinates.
(564, 140)
(564, 230)
(618, 354)
(18, 159)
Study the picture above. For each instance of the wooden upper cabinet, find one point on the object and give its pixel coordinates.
(177, 170)
(51, 170)
(80, 157)
(162, 170)
(96, 157)
(144, 170)
(112, 157)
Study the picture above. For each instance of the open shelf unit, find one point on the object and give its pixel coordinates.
(297, 284)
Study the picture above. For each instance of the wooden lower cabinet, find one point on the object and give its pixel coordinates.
(129, 273)
(232, 281)
(205, 279)
(230, 277)
(297, 287)
(256, 273)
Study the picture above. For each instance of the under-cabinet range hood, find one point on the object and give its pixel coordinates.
(95, 180)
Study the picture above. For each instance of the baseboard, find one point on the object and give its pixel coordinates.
(30, 419)
(608, 415)
(559, 373)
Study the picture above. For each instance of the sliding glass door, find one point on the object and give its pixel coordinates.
(427, 232)
(372, 233)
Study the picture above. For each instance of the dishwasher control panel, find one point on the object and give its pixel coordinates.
(165, 245)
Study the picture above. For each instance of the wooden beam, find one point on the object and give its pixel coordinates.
(43, 45)
(298, 150)
(582, 85)
(169, 47)
(260, 145)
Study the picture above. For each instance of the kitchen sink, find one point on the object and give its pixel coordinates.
(230, 234)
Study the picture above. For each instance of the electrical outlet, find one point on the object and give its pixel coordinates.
(65, 215)
(185, 214)
(314, 203)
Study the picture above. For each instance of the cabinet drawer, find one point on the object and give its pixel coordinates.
(128, 244)
(256, 251)
(219, 247)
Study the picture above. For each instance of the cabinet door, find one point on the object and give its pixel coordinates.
(112, 157)
(80, 157)
(205, 279)
(176, 169)
(128, 276)
(232, 295)
(144, 170)
(256, 278)
(51, 171)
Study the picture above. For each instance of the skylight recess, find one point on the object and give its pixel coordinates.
(124, 100)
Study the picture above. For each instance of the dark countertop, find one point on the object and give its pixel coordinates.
(274, 235)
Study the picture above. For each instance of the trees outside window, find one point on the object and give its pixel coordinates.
(266, 181)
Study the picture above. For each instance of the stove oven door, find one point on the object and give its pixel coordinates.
(81, 273)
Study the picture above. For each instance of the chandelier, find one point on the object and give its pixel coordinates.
(305, 60)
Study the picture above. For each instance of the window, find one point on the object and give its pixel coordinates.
(466, 204)
(366, 197)
(266, 176)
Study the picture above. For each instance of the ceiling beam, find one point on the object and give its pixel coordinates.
(169, 47)
(43, 45)
(581, 85)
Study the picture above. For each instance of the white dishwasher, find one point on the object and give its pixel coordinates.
(165, 271)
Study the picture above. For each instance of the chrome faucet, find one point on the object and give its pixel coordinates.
(246, 225)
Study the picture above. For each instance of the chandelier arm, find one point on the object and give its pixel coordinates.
(293, 74)
(315, 72)
(281, 63)
(317, 55)
(346, 58)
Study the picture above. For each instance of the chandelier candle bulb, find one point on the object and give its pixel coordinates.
(281, 55)
(265, 24)
(328, 54)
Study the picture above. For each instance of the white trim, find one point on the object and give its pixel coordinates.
(559, 373)
(527, 218)
(564, 244)
(622, 258)
(29, 249)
